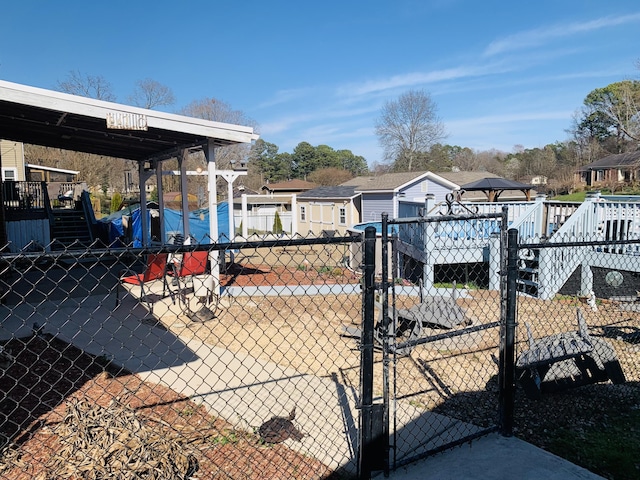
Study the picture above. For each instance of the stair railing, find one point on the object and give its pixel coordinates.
(557, 264)
(89, 215)
(529, 223)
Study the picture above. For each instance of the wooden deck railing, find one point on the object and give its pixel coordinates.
(23, 195)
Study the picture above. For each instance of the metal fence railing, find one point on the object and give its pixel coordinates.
(288, 358)
(142, 363)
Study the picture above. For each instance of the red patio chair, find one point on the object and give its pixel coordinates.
(184, 272)
(156, 269)
(193, 263)
(190, 263)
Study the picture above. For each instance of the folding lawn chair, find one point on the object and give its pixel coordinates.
(195, 288)
(156, 269)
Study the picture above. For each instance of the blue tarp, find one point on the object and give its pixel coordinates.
(198, 224)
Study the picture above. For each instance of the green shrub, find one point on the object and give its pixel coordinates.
(277, 224)
(116, 201)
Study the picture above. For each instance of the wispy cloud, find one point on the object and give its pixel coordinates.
(419, 78)
(313, 116)
(509, 118)
(540, 36)
(285, 96)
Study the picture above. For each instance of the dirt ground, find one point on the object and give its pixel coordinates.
(455, 376)
(307, 333)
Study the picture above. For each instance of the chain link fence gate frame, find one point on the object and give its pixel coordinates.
(440, 368)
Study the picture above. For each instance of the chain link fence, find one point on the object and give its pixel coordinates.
(249, 360)
(578, 347)
(440, 378)
(181, 362)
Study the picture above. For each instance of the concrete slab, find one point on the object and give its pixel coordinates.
(493, 457)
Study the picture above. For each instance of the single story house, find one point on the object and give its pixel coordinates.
(387, 193)
(619, 168)
(328, 209)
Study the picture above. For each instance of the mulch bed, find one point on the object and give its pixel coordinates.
(59, 404)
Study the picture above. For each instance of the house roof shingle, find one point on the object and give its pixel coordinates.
(295, 184)
(461, 178)
(615, 160)
(388, 181)
(391, 181)
(340, 191)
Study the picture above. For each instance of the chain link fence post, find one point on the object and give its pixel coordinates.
(365, 466)
(507, 342)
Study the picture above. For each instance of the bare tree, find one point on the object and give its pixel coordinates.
(89, 86)
(329, 176)
(219, 111)
(151, 94)
(407, 127)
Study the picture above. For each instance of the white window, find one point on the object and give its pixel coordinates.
(9, 174)
(342, 214)
(303, 214)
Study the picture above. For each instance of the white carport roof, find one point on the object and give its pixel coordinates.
(54, 119)
(70, 122)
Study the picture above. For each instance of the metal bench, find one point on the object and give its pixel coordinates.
(565, 360)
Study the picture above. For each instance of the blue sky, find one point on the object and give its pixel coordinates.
(502, 73)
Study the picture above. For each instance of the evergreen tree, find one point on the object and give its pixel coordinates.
(116, 201)
(277, 225)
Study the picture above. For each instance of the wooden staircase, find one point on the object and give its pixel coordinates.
(70, 229)
(529, 272)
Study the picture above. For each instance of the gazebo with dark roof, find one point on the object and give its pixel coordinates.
(493, 187)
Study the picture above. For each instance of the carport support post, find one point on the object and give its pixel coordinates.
(184, 195)
(144, 175)
(210, 154)
(507, 341)
(163, 233)
(365, 457)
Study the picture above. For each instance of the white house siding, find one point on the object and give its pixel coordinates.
(12, 154)
(375, 204)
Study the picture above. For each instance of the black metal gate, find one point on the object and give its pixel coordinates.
(436, 336)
